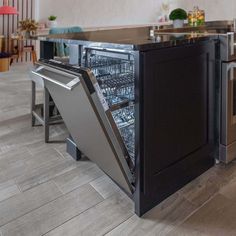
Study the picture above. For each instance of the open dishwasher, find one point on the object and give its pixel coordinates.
(96, 102)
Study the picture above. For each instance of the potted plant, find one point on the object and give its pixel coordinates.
(4, 61)
(28, 26)
(178, 16)
(52, 21)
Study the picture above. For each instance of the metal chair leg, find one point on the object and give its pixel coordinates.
(33, 105)
(46, 115)
(34, 56)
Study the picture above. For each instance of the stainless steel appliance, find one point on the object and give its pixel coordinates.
(98, 109)
(228, 96)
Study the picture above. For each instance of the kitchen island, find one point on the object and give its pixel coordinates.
(171, 105)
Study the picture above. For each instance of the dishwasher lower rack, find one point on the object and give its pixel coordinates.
(125, 120)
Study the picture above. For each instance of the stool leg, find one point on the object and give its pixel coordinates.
(33, 91)
(46, 115)
(34, 56)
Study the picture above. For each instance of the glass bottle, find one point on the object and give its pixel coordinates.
(190, 18)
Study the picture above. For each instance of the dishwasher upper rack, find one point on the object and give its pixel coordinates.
(117, 89)
(114, 72)
(104, 65)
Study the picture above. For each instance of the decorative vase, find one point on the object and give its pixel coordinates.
(52, 23)
(178, 23)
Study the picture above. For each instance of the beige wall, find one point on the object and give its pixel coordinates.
(215, 9)
(88, 13)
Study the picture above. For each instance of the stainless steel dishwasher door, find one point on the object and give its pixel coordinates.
(86, 120)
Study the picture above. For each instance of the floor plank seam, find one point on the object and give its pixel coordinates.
(196, 210)
(118, 225)
(43, 182)
(31, 209)
(96, 189)
(53, 180)
(48, 203)
(84, 212)
(72, 218)
(15, 119)
(60, 153)
(11, 197)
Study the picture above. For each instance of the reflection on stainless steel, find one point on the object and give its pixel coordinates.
(234, 20)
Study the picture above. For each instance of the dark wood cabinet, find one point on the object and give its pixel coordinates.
(175, 126)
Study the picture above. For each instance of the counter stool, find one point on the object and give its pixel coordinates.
(46, 114)
(19, 48)
(32, 51)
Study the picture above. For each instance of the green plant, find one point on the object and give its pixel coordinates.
(52, 18)
(178, 14)
(28, 25)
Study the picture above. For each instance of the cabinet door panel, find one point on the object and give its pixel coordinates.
(177, 129)
(177, 109)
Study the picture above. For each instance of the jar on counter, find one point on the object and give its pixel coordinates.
(191, 18)
(196, 17)
(201, 17)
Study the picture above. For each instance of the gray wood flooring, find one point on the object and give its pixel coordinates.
(43, 191)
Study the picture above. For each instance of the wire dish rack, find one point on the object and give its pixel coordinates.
(125, 119)
(115, 77)
(102, 65)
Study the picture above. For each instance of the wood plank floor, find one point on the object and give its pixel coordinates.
(43, 191)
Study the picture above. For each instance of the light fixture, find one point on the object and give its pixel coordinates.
(7, 10)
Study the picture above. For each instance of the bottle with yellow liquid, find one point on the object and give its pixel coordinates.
(196, 17)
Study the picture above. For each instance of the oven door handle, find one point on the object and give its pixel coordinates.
(230, 68)
(69, 86)
(231, 42)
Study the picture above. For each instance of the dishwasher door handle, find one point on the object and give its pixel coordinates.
(71, 85)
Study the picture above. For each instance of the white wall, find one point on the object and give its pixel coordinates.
(89, 13)
(215, 9)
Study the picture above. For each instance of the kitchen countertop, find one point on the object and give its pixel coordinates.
(138, 38)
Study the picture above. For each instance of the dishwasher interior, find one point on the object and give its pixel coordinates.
(115, 75)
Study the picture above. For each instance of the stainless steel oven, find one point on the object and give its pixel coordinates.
(228, 112)
(228, 97)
